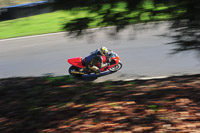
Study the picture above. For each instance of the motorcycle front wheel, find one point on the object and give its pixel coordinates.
(116, 67)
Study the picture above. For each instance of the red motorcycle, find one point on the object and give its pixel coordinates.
(78, 67)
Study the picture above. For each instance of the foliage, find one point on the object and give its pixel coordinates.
(78, 19)
(122, 13)
(184, 13)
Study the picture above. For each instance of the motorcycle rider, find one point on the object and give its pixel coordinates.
(96, 57)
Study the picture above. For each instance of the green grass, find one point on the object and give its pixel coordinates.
(153, 107)
(39, 24)
(54, 21)
(113, 104)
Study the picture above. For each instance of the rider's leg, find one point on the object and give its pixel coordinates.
(94, 68)
(99, 59)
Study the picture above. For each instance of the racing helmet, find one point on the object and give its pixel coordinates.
(103, 51)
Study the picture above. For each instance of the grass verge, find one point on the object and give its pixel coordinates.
(55, 21)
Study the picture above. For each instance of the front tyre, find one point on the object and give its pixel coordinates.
(116, 67)
(73, 69)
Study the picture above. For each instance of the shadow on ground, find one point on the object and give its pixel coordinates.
(92, 77)
(63, 104)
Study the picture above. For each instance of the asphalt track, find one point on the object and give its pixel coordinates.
(143, 50)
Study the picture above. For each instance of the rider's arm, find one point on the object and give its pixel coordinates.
(108, 58)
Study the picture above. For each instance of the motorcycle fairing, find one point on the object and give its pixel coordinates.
(116, 60)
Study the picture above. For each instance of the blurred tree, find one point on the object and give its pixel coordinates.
(184, 15)
(187, 27)
(124, 17)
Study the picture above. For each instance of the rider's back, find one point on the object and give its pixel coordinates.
(94, 54)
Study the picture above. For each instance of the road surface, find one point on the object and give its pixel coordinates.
(143, 51)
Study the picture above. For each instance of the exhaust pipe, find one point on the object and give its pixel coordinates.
(76, 72)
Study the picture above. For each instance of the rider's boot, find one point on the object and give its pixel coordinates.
(97, 72)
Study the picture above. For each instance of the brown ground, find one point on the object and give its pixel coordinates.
(61, 104)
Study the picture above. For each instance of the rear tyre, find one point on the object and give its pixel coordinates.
(73, 68)
(116, 67)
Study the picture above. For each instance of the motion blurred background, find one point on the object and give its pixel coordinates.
(4, 3)
(77, 15)
(150, 36)
(21, 18)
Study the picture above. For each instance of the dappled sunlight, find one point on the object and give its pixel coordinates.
(120, 13)
(63, 104)
(67, 104)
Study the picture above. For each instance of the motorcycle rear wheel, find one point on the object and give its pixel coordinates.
(73, 68)
(116, 67)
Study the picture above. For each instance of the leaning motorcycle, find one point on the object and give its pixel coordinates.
(78, 67)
